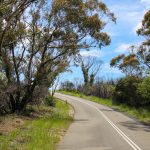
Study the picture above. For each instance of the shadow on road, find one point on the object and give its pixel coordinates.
(106, 109)
(135, 126)
(81, 120)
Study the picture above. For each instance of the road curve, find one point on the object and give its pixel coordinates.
(97, 127)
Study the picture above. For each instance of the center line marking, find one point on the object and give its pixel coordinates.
(121, 133)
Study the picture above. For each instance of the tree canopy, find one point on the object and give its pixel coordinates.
(39, 38)
(138, 60)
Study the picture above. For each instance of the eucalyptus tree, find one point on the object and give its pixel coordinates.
(10, 31)
(143, 52)
(135, 63)
(10, 13)
(38, 43)
(129, 65)
(90, 67)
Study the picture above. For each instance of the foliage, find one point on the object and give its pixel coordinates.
(137, 62)
(132, 90)
(100, 88)
(144, 90)
(103, 90)
(143, 51)
(49, 101)
(38, 39)
(127, 64)
(126, 91)
(145, 30)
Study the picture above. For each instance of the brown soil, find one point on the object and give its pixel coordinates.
(11, 122)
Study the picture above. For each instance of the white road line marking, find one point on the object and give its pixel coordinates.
(122, 134)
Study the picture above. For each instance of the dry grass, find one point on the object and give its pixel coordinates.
(39, 128)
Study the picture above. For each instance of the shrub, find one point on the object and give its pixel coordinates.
(144, 91)
(104, 90)
(50, 101)
(4, 107)
(126, 91)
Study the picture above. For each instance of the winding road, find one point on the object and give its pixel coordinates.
(97, 127)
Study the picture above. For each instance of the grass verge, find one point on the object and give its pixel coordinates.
(141, 114)
(41, 130)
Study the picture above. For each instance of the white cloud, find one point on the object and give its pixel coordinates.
(92, 53)
(107, 69)
(138, 26)
(146, 2)
(129, 16)
(123, 48)
(126, 48)
(133, 15)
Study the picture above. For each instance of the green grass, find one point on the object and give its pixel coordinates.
(141, 114)
(41, 133)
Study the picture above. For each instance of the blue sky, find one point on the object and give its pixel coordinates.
(129, 15)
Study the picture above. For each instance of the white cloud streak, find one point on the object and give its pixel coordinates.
(92, 53)
(123, 48)
(146, 3)
(110, 70)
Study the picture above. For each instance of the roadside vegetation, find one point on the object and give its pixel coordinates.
(40, 127)
(131, 93)
(39, 39)
(140, 114)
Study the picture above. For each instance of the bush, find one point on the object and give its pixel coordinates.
(126, 91)
(50, 101)
(144, 91)
(104, 90)
(4, 107)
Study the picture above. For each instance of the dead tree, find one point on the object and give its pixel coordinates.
(90, 67)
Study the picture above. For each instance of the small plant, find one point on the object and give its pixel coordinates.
(50, 101)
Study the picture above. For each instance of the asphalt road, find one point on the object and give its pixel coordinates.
(97, 127)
